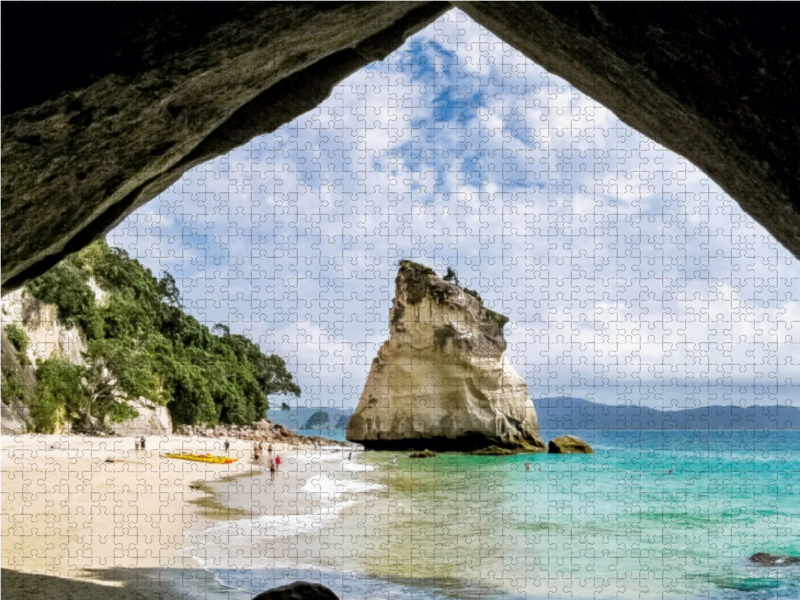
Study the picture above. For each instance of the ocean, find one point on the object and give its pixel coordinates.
(652, 514)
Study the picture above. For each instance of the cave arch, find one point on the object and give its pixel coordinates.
(102, 116)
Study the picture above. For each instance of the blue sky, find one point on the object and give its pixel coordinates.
(628, 275)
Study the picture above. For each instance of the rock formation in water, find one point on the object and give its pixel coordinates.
(569, 444)
(442, 380)
(423, 454)
(774, 560)
(299, 590)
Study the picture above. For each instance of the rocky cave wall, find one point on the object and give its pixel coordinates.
(106, 104)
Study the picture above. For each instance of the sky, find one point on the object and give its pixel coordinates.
(627, 274)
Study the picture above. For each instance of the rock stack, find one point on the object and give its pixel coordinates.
(442, 380)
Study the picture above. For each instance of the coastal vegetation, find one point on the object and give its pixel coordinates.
(19, 339)
(141, 344)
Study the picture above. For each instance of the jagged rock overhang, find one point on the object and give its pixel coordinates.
(116, 101)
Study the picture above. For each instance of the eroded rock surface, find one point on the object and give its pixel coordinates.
(442, 380)
(104, 113)
(114, 102)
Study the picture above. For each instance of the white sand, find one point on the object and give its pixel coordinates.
(69, 514)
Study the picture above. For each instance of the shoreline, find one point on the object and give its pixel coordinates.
(74, 524)
(240, 532)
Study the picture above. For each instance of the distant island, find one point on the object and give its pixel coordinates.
(314, 417)
(580, 414)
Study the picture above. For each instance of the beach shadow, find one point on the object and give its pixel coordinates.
(119, 584)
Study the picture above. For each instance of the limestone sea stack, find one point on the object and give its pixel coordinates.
(442, 381)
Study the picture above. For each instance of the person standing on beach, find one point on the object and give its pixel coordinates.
(350, 456)
(227, 446)
(269, 449)
(137, 444)
(277, 462)
(271, 464)
(141, 442)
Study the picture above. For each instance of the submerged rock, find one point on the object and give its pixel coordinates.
(774, 560)
(299, 590)
(442, 380)
(569, 444)
(423, 454)
(494, 451)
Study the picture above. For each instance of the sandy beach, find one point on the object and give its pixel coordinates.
(73, 520)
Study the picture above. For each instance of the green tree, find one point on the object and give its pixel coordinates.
(141, 344)
(58, 394)
(116, 372)
(67, 286)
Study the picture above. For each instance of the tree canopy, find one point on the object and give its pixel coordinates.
(142, 344)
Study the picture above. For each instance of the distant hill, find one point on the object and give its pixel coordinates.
(298, 417)
(579, 413)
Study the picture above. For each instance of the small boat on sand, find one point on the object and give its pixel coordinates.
(207, 458)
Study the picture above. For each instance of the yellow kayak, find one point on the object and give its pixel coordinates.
(208, 458)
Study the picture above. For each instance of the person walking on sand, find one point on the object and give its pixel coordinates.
(271, 464)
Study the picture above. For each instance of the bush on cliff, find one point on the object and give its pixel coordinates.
(19, 339)
(140, 343)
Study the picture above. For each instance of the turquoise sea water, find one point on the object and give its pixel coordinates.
(649, 515)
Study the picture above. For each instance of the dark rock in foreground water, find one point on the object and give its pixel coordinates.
(569, 444)
(774, 560)
(299, 590)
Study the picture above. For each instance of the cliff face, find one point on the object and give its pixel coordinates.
(47, 337)
(18, 383)
(442, 380)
